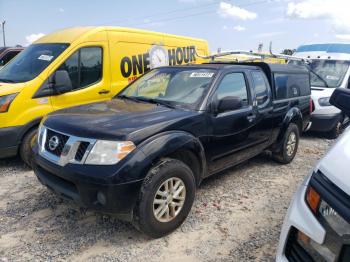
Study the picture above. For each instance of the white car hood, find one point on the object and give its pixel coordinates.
(336, 163)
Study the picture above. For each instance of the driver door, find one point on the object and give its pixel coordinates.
(88, 69)
(230, 137)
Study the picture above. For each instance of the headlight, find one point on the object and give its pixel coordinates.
(324, 101)
(109, 152)
(334, 219)
(5, 102)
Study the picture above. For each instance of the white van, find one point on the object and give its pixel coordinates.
(329, 66)
(317, 224)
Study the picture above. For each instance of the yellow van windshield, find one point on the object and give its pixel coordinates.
(30, 62)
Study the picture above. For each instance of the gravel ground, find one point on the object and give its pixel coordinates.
(237, 216)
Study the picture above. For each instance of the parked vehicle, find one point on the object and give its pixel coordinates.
(317, 224)
(142, 154)
(7, 53)
(329, 65)
(79, 66)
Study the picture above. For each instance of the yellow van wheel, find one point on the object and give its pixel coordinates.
(25, 149)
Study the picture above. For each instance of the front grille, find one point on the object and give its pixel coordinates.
(345, 253)
(61, 140)
(294, 251)
(81, 151)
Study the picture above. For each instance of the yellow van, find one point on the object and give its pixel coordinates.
(77, 66)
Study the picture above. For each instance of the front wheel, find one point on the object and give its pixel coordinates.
(289, 145)
(25, 150)
(165, 199)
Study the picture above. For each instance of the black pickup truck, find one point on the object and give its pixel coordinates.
(142, 154)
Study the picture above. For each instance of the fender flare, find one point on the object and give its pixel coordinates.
(166, 143)
(27, 127)
(153, 149)
(294, 115)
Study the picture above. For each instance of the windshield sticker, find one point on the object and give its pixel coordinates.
(45, 57)
(201, 74)
(332, 77)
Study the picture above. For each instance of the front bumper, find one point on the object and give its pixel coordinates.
(324, 123)
(10, 138)
(101, 195)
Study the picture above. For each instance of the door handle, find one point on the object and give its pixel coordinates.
(103, 92)
(251, 117)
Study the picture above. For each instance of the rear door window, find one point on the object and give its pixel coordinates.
(261, 87)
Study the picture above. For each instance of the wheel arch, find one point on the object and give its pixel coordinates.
(179, 145)
(295, 116)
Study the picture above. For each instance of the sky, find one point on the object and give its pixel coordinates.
(226, 24)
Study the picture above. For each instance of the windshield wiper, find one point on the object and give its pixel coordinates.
(156, 101)
(6, 80)
(318, 76)
(132, 98)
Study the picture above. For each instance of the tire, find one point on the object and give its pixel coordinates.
(336, 131)
(25, 150)
(287, 151)
(165, 172)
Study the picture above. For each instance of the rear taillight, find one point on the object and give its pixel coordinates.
(312, 106)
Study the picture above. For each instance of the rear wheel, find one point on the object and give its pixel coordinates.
(289, 146)
(25, 150)
(165, 199)
(336, 131)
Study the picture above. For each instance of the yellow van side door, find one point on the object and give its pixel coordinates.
(89, 74)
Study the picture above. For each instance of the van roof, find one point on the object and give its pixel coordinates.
(70, 35)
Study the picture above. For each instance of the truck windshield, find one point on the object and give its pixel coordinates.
(30, 62)
(184, 87)
(327, 73)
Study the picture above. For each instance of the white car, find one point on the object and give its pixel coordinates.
(329, 64)
(317, 224)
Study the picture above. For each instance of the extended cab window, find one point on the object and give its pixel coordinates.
(291, 85)
(84, 67)
(261, 88)
(233, 85)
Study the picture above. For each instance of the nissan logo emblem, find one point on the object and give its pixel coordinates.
(53, 143)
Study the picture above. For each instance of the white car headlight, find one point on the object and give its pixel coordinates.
(109, 152)
(324, 101)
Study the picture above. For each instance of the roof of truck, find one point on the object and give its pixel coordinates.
(288, 68)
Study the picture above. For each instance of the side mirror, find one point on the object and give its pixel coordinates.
(228, 103)
(341, 99)
(60, 82)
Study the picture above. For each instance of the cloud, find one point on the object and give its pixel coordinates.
(239, 28)
(334, 11)
(61, 10)
(33, 37)
(232, 11)
(343, 37)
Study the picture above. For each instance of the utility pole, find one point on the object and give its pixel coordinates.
(3, 31)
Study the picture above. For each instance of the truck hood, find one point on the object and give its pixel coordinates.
(9, 88)
(335, 164)
(118, 119)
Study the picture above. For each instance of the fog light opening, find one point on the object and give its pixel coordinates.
(101, 198)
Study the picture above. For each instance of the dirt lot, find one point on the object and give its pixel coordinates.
(236, 217)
